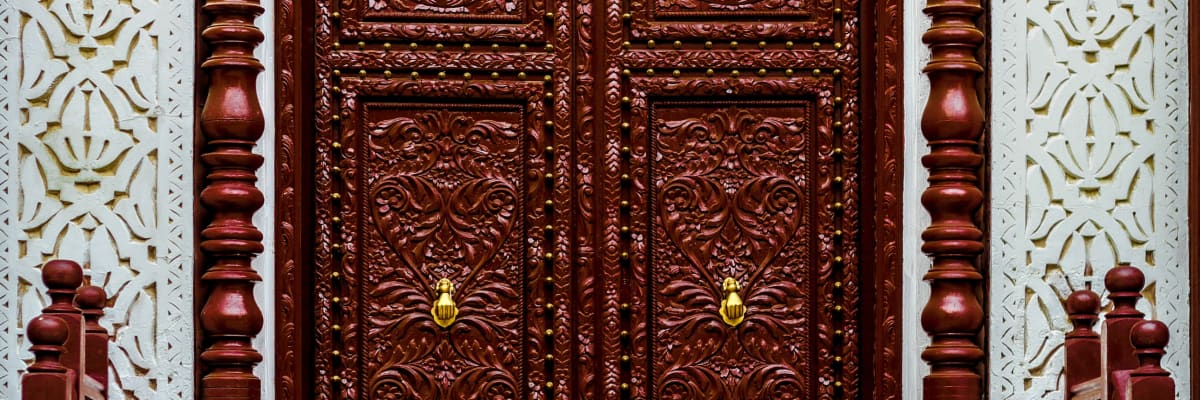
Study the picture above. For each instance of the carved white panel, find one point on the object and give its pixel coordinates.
(1089, 157)
(96, 166)
(916, 263)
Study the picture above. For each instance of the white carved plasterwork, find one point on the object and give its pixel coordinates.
(96, 166)
(1089, 157)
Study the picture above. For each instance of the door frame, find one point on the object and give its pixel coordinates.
(882, 174)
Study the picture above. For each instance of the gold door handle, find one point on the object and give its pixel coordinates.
(444, 310)
(733, 311)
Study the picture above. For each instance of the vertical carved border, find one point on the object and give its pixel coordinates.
(9, 53)
(231, 122)
(953, 123)
(1193, 175)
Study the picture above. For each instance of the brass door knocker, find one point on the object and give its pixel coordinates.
(733, 311)
(444, 310)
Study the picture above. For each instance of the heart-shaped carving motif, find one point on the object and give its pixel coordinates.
(426, 227)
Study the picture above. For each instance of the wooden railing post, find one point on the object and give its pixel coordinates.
(1124, 284)
(1150, 381)
(1082, 345)
(231, 123)
(953, 124)
(48, 378)
(91, 301)
(62, 279)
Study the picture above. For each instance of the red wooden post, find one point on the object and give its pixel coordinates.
(48, 378)
(91, 301)
(1150, 381)
(1082, 345)
(62, 278)
(231, 123)
(1124, 284)
(953, 124)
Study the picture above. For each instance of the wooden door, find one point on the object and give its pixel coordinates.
(577, 199)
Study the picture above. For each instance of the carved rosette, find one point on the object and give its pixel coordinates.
(953, 124)
(231, 122)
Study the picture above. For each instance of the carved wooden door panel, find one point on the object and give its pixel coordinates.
(577, 199)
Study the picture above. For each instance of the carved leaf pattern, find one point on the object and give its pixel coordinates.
(101, 149)
(446, 208)
(1088, 172)
(730, 211)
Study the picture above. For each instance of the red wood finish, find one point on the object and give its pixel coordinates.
(48, 378)
(91, 301)
(1124, 284)
(1081, 350)
(62, 278)
(525, 161)
(1149, 381)
(953, 124)
(231, 123)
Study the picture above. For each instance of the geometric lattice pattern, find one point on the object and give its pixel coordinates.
(1089, 157)
(96, 166)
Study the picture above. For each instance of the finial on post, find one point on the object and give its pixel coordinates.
(1150, 381)
(47, 378)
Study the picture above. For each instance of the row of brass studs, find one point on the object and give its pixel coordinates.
(650, 72)
(550, 233)
(336, 248)
(838, 262)
(629, 16)
(624, 258)
(732, 45)
(443, 75)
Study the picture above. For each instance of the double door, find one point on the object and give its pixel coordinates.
(578, 199)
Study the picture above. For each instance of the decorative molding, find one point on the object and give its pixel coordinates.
(1090, 156)
(95, 156)
(953, 123)
(231, 123)
(916, 218)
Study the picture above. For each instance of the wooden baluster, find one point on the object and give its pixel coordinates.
(1124, 284)
(1149, 381)
(91, 301)
(1082, 345)
(953, 123)
(48, 378)
(231, 123)
(62, 279)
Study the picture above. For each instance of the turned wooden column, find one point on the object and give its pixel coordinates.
(231, 122)
(953, 123)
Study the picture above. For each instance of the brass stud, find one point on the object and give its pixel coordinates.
(625, 100)
(413, 46)
(337, 72)
(548, 256)
(415, 75)
(336, 15)
(624, 255)
(336, 196)
(837, 151)
(337, 89)
(626, 359)
(625, 306)
(837, 259)
(387, 46)
(837, 11)
(495, 75)
(837, 180)
(549, 95)
(625, 229)
(837, 285)
(549, 203)
(336, 378)
(549, 15)
(335, 275)
(387, 74)
(336, 300)
(837, 100)
(466, 47)
(762, 72)
(624, 387)
(837, 205)
(549, 332)
(650, 72)
(548, 78)
(625, 204)
(837, 45)
(336, 247)
(521, 75)
(337, 171)
(626, 72)
(735, 73)
(837, 384)
(788, 72)
(549, 306)
(837, 125)
(789, 45)
(626, 178)
(625, 126)
(708, 45)
(816, 71)
(816, 45)
(549, 47)
(336, 117)
(336, 353)
(549, 357)
(837, 359)
(549, 176)
(549, 280)
(337, 145)
(336, 328)
(624, 334)
(549, 228)
(337, 45)
(837, 71)
(733, 45)
(441, 75)
(361, 45)
(838, 332)
(550, 124)
(626, 16)
(837, 308)
(549, 385)
(626, 44)
(649, 44)
(676, 73)
(678, 45)
(709, 72)
(837, 233)
(337, 220)
(466, 76)
(439, 47)
(762, 45)
(495, 47)
(626, 150)
(523, 47)
(549, 149)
